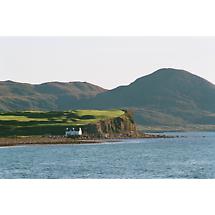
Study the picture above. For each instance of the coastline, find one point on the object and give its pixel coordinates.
(58, 140)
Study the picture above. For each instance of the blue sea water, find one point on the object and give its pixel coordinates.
(192, 155)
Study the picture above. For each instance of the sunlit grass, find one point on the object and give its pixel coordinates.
(20, 118)
(30, 122)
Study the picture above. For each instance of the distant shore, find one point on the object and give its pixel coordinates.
(49, 140)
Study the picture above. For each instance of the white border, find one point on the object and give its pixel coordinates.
(107, 197)
(107, 18)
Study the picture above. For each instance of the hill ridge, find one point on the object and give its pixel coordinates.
(167, 96)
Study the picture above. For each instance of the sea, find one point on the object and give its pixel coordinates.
(189, 156)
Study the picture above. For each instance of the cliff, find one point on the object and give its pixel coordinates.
(118, 127)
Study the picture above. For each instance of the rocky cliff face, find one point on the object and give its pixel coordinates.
(118, 127)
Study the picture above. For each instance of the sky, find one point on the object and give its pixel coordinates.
(104, 61)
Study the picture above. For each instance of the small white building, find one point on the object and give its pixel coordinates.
(72, 132)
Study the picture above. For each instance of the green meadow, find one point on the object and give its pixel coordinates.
(25, 123)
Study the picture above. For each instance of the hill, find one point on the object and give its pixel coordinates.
(167, 97)
(47, 96)
(162, 89)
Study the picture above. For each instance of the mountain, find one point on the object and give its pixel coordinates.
(165, 97)
(162, 89)
(168, 97)
(47, 96)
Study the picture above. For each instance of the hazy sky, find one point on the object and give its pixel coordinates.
(105, 61)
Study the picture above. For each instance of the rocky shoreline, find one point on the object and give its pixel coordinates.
(47, 140)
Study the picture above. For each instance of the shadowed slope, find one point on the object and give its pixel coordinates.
(167, 96)
(162, 89)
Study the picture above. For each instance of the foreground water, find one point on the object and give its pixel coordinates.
(190, 156)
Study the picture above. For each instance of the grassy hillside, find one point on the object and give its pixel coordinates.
(156, 120)
(53, 122)
(48, 96)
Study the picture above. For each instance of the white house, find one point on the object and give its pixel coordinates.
(72, 132)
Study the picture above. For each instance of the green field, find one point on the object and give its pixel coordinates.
(50, 123)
